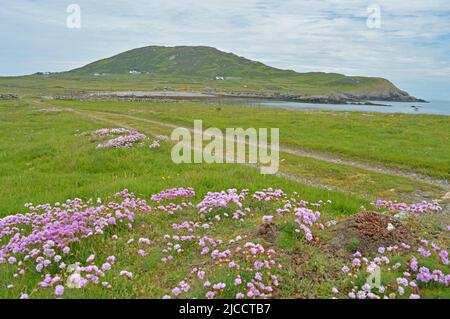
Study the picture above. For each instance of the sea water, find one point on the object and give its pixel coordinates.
(433, 107)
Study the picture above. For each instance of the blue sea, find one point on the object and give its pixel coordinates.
(433, 107)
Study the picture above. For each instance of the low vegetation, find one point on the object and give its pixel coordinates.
(126, 222)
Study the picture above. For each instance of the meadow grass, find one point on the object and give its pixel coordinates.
(367, 184)
(419, 143)
(307, 84)
(43, 158)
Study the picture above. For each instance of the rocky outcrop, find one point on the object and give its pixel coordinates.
(384, 95)
(337, 98)
(8, 97)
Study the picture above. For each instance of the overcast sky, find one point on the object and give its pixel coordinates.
(411, 47)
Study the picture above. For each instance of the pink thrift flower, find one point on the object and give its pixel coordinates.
(106, 267)
(59, 290)
(127, 274)
(424, 241)
(176, 291)
(106, 285)
(366, 287)
(356, 262)
(144, 241)
(396, 266)
(142, 253)
(424, 252)
(443, 254)
(111, 259)
(219, 286)
(413, 264)
(201, 274)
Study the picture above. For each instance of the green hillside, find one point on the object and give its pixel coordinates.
(201, 63)
(198, 61)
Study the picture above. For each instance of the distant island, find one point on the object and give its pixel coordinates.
(211, 71)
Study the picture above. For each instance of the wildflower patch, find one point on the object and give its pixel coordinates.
(49, 242)
(121, 137)
(125, 138)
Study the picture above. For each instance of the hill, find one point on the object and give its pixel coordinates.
(199, 61)
(207, 63)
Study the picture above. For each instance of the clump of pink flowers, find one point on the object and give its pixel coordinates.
(413, 277)
(305, 219)
(422, 207)
(156, 143)
(253, 259)
(173, 193)
(40, 239)
(214, 200)
(126, 139)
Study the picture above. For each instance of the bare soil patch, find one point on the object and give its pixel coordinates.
(268, 232)
(50, 110)
(367, 231)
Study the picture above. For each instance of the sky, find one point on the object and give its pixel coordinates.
(407, 43)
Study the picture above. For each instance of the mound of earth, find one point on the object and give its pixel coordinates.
(367, 231)
(268, 231)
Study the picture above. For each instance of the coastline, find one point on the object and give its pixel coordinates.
(192, 96)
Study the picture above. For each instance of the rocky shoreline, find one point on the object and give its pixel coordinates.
(8, 97)
(341, 98)
(170, 96)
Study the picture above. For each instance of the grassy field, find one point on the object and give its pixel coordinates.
(312, 84)
(45, 158)
(398, 140)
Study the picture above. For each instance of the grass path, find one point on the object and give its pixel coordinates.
(99, 118)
